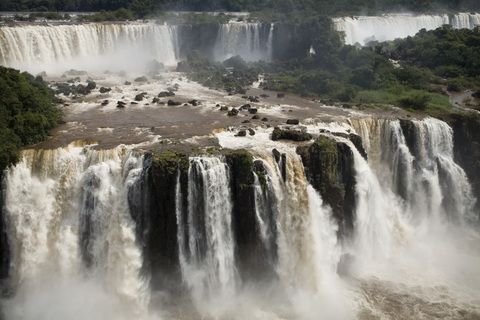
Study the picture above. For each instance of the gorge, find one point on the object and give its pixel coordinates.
(165, 206)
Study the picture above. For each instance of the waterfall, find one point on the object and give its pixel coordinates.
(93, 46)
(414, 181)
(67, 215)
(251, 41)
(209, 268)
(363, 29)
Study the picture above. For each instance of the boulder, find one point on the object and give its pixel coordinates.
(121, 104)
(256, 117)
(165, 94)
(251, 132)
(290, 134)
(233, 112)
(127, 83)
(194, 102)
(105, 102)
(253, 110)
(91, 85)
(254, 99)
(245, 107)
(241, 133)
(173, 103)
(105, 90)
(224, 108)
(293, 121)
(139, 97)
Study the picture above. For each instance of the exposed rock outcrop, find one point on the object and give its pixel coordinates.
(329, 166)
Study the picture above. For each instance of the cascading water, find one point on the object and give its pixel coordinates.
(67, 205)
(364, 29)
(208, 263)
(32, 47)
(251, 41)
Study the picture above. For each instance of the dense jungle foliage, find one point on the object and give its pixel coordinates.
(144, 7)
(412, 73)
(27, 113)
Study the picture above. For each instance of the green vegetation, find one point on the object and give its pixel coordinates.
(142, 8)
(27, 113)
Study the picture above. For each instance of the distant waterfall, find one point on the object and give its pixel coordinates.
(251, 41)
(363, 29)
(87, 46)
(67, 205)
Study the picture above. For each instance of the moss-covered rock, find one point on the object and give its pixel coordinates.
(290, 134)
(330, 169)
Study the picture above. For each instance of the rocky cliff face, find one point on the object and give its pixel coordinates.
(329, 168)
(466, 135)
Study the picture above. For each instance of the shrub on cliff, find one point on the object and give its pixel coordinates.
(27, 113)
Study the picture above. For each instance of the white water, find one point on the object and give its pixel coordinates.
(244, 39)
(363, 29)
(90, 47)
(62, 205)
(209, 270)
(411, 243)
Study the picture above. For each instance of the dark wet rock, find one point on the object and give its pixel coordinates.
(264, 119)
(133, 103)
(105, 89)
(253, 110)
(245, 97)
(91, 85)
(251, 132)
(466, 138)
(358, 143)
(173, 103)
(105, 102)
(254, 99)
(139, 97)
(293, 121)
(263, 95)
(236, 62)
(255, 260)
(281, 160)
(82, 90)
(141, 79)
(121, 104)
(290, 134)
(246, 107)
(224, 108)
(280, 95)
(476, 94)
(233, 112)
(256, 117)
(155, 100)
(73, 80)
(241, 133)
(185, 104)
(127, 83)
(194, 102)
(246, 121)
(329, 167)
(165, 94)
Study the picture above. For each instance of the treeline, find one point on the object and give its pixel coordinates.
(145, 7)
(27, 113)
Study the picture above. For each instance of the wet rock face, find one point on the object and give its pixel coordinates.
(466, 138)
(4, 245)
(152, 203)
(329, 166)
(252, 261)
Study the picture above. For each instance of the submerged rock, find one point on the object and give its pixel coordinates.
(105, 90)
